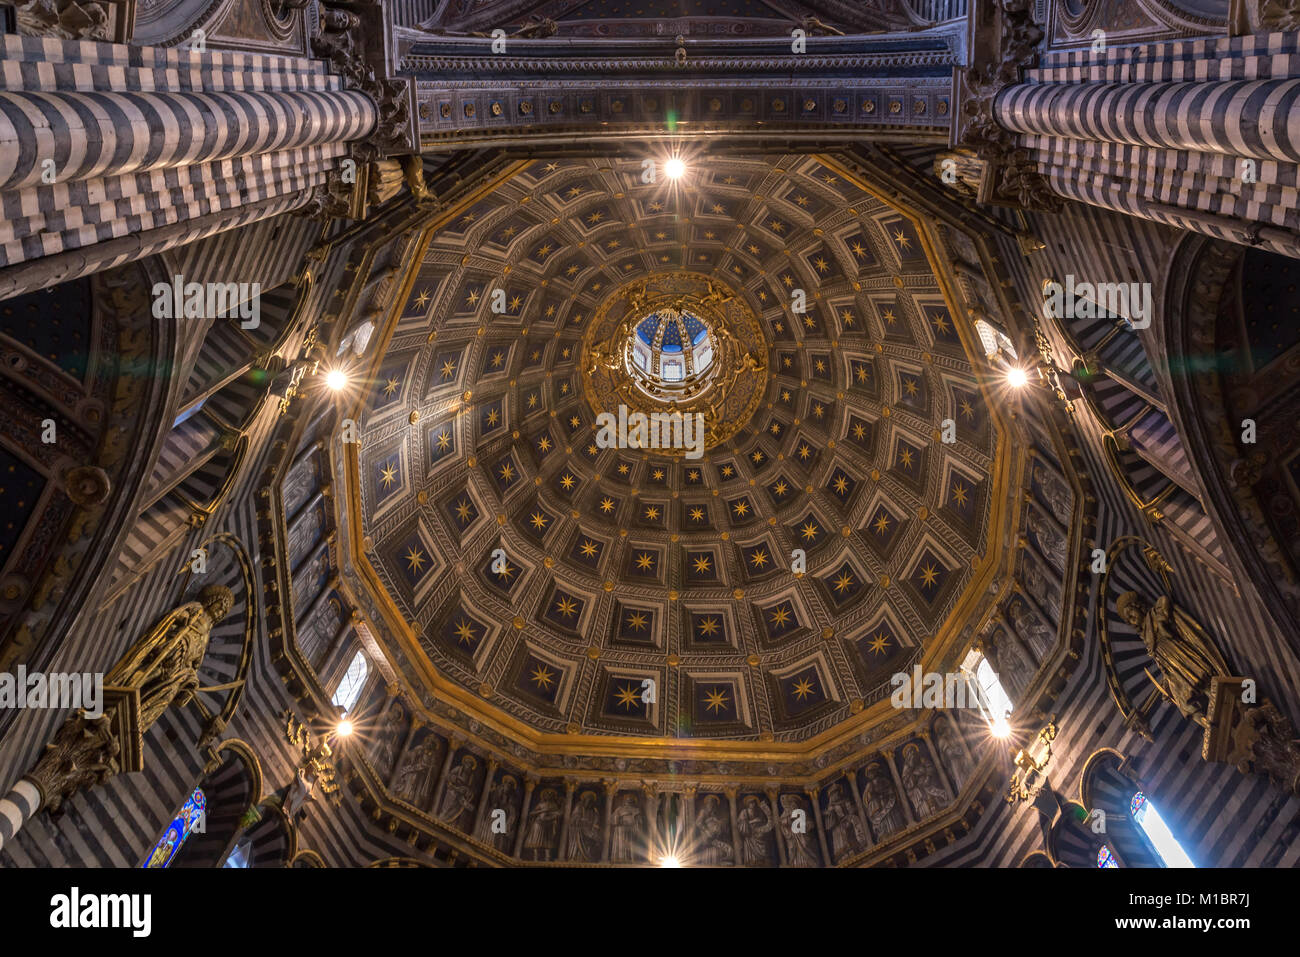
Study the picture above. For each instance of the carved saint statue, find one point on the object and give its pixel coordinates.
(921, 782)
(798, 826)
(1030, 628)
(1050, 540)
(843, 826)
(954, 756)
(627, 823)
(881, 800)
(543, 826)
(164, 664)
(1184, 653)
(415, 772)
(301, 790)
(458, 795)
(1009, 661)
(712, 850)
(753, 825)
(584, 829)
(1058, 496)
(390, 739)
(500, 798)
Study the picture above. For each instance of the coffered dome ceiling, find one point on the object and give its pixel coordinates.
(563, 587)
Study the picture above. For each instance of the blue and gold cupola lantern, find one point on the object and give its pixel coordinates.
(672, 348)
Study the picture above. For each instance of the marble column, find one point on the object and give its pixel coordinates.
(815, 794)
(1196, 134)
(777, 834)
(610, 788)
(562, 852)
(483, 796)
(453, 745)
(888, 758)
(529, 785)
(102, 162)
(735, 832)
(852, 778)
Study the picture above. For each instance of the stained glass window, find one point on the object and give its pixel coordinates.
(1166, 846)
(188, 819)
(239, 856)
(1105, 858)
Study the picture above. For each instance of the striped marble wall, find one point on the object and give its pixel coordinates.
(1223, 818)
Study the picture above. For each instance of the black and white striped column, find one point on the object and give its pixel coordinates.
(92, 135)
(1247, 119)
(1203, 135)
(109, 152)
(16, 808)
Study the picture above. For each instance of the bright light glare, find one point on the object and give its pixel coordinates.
(675, 168)
(344, 729)
(1000, 728)
(1016, 377)
(336, 379)
(1167, 846)
(670, 861)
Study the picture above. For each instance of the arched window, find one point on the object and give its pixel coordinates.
(1157, 832)
(1105, 858)
(994, 340)
(994, 703)
(190, 818)
(354, 679)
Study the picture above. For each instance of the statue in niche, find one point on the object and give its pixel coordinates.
(1055, 493)
(1031, 628)
(543, 831)
(881, 799)
(627, 823)
(458, 795)
(320, 630)
(1037, 584)
(307, 580)
(920, 781)
(500, 798)
(415, 773)
(1186, 656)
(1051, 541)
(584, 829)
(390, 740)
(843, 826)
(711, 849)
(164, 663)
(303, 534)
(1013, 669)
(803, 853)
(950, 749)
(753, 825)
(299, 483)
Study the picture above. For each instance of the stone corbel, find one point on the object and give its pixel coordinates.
(1008, 176)
(352, 41)
(70, 20)
(1263, 16)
